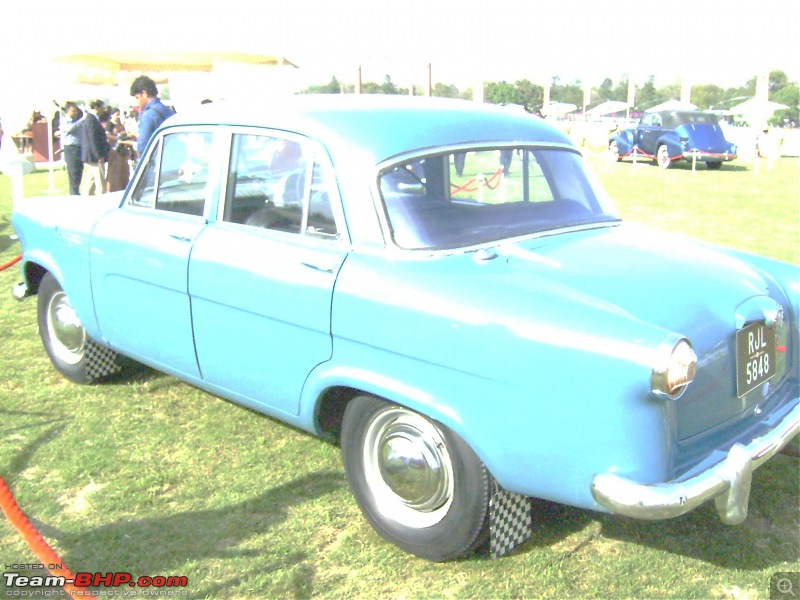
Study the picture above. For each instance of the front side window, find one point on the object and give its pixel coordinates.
(176, 177)
(476, 196)
(279, 184)
(651, 120)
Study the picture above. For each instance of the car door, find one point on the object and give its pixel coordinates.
(261, 275)
(140, 254)
(649, 131)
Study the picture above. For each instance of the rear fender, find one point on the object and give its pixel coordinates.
(625, 140)
(672, 141)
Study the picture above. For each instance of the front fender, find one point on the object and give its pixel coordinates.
(63, 253)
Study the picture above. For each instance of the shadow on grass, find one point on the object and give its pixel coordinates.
(5, 236)
(22, 458)
(162, 544)
(767, 538)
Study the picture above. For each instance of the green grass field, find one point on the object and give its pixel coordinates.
(153, 477)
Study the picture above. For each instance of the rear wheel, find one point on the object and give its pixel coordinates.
(419, 485)
(71, 350)
(714, 165)
(662, 157)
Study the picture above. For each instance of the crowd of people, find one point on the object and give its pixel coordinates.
(100, 144)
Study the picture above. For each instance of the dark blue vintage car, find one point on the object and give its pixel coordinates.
(442, 287)
(671, 135)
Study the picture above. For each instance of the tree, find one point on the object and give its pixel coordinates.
(621, 91)
(647, 95)
(501, 93)
(605, 91)
(777, 81)
(571, 93)
(706, 96)
(388, 86)
(789, 95)
(445, 91)
(370, 87)
(332, 87)
(530, 96)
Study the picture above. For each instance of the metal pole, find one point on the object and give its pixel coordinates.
(51, 176)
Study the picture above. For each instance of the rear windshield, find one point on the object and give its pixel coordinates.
(471, 197)
(689, 118)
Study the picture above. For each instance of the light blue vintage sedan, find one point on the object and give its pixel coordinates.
(441, 286)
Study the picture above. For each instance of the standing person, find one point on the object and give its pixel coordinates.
(94, 152)
(71, 145)
(118, 170)
(153, 111)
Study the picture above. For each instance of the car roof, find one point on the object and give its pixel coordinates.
(677, 117)
(381, 126)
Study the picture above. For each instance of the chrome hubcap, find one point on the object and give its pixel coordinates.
(408, 468)
(663, 157)
(67, 336)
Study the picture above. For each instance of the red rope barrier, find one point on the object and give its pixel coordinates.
(486, 182)
(35, 541)
(10, 263)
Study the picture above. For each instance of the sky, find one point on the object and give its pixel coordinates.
(465, 42)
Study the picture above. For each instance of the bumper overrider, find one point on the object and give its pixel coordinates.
(727, 482)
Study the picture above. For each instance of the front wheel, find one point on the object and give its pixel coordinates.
(71, 350)
(714, 166)
(419, 485)
(662, 157)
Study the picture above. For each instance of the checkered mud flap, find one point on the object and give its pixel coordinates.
(100, 361)
(510, 521)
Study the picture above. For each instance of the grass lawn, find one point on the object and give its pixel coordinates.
(153, 477)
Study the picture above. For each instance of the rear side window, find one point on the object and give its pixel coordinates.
(279, 184)
(470, 197)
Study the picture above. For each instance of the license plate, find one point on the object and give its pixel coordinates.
(755, 357)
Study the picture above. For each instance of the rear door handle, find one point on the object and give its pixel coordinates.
(316, 267)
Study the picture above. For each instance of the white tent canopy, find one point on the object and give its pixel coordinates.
(756, 110)
(609, 107)
(558, 109)
(672, 105)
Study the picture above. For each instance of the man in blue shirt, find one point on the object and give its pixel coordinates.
(154, 112)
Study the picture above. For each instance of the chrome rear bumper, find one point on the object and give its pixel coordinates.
(728, 482)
